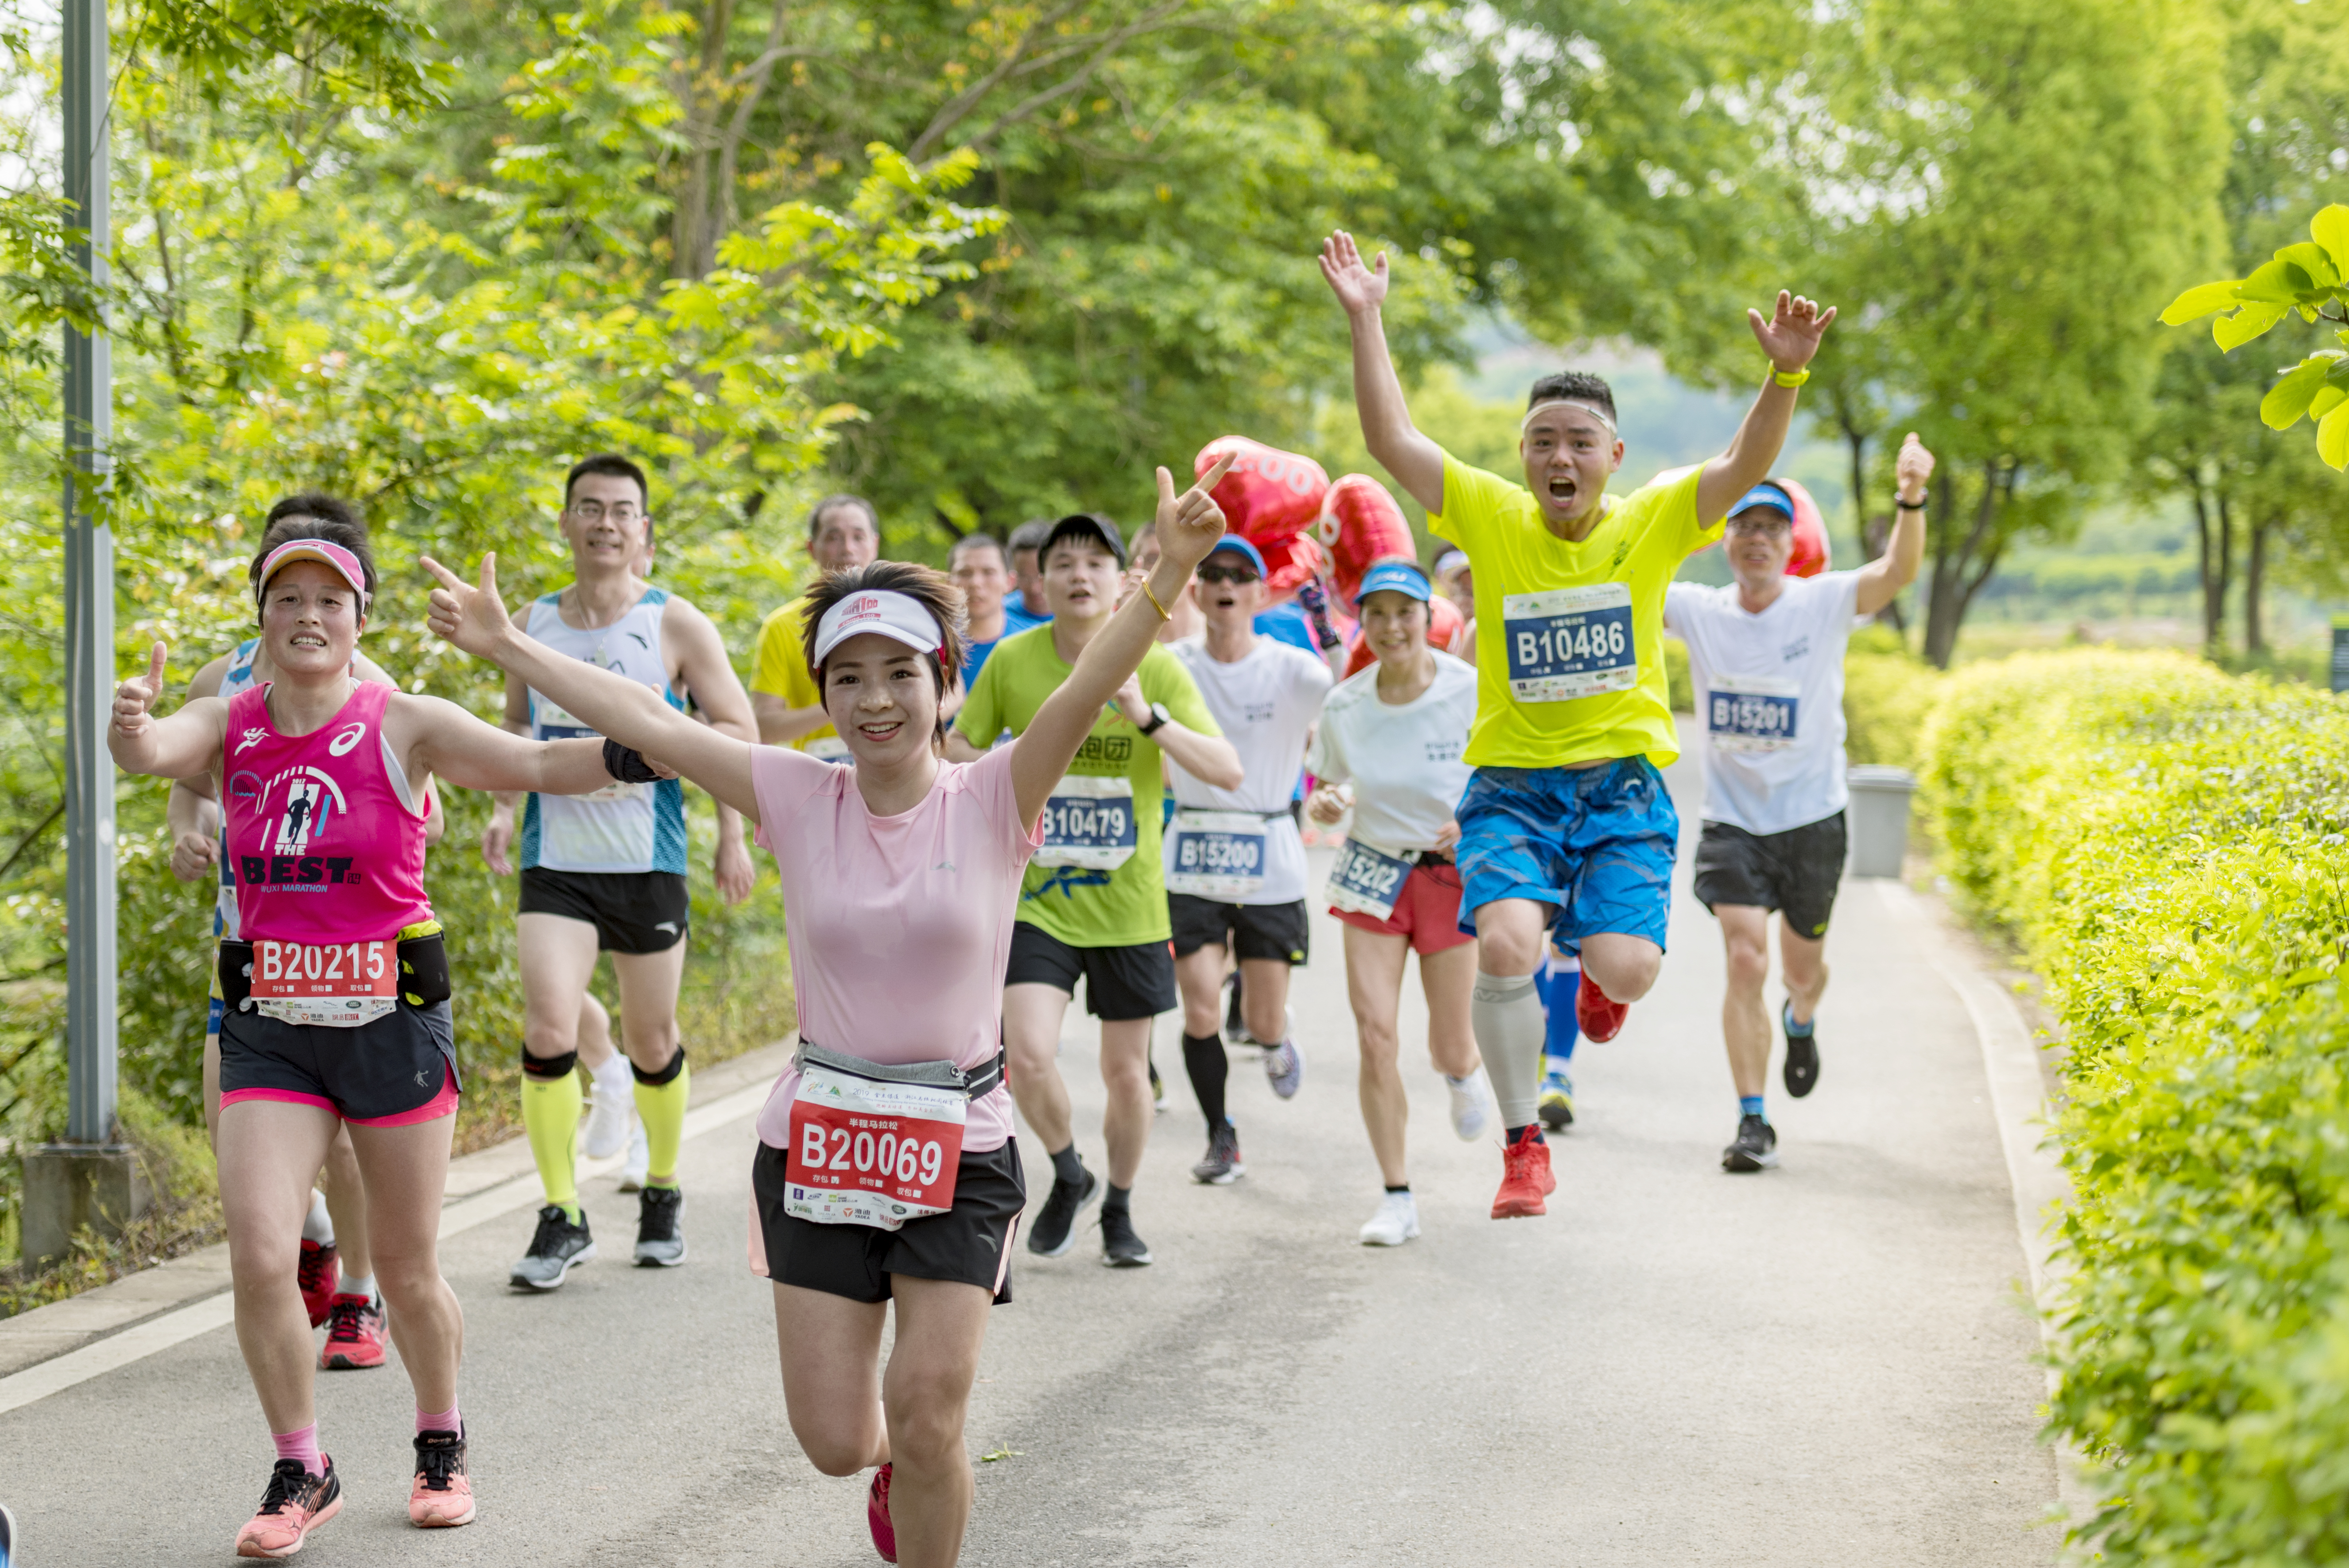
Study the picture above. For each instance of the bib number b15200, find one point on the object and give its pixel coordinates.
(1216, 854)
(1569, 642)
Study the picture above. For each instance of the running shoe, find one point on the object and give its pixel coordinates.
(442, 1496)
(660, 1243)
(1756, 1147)
(1396, 1222)
(1802, 1053)
(7, 1536)
(1472, 1106)
(1055, 1230)
(317, 1274)
(640, 1164)
(1120, 1248)
(1285, 1065)
(876, 1516)
(1557, 1105)
(553, 1250)
(1157, 1090)
(1223, 1165)
(1526, 1178)
(1235, 1029)
(1600, 1019)
(296, 1503)
(609, 1117)
(353, 1334)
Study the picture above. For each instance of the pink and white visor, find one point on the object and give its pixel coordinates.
(334, 555)
(882, 612)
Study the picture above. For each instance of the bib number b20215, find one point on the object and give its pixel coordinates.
(339, 985)
(865, 1152)
(1569, 642)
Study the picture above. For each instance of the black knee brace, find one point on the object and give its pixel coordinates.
(667, 1075)
(550, 1067)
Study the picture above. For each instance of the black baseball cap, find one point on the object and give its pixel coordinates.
(1088, 526)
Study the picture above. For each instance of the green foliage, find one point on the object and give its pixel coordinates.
(1888, 695)
(2167, 844)
(2310, 279)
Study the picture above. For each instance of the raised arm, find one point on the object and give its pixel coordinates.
(440, 739)
(1415, 461)
(187, 743)
(473, 619)
(1894, 570)
(1188, 526)
(1790, 337)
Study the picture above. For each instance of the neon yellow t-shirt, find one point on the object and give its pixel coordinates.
(1569, 637)
(781, 670)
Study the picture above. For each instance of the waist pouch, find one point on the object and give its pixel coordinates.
(423, 969)
(978, 1081)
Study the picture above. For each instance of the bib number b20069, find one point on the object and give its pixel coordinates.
(1569, 642)
(865, 1152)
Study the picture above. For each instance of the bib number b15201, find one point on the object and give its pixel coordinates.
(339, 985)
(1569, 642)
(867, 1152)
(1752, 713)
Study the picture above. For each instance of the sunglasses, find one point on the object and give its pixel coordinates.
(1770, 527)
(1232, 574)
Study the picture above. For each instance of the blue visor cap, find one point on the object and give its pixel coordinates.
(1767, 495)
(1241, 547)
(1395, 576)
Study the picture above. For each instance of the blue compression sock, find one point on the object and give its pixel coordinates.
(1749, 1105)
(1800, 1031)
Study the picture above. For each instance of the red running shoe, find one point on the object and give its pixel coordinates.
(876, 1516)
(317, 1274)
(1525, 1180)
(353, 1334)
(1600, 1018)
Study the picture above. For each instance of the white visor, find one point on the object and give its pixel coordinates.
(1590, 409)
(879, 611)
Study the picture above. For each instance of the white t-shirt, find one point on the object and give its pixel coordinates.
(1266, 704)
(1403, 759)
(1769, 696)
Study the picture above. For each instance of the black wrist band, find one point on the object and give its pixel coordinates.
(1908, 505)
(628, 764)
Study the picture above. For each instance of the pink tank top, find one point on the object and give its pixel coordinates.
(324, 847)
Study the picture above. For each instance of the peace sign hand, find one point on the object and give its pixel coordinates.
(472, 618)
(1791, 336)
(135, 698)
(1189, 524)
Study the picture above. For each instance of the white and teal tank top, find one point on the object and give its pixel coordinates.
(621, 827)
(237, 678)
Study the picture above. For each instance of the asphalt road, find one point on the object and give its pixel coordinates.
(1827, 1364)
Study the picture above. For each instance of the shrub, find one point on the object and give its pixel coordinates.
(1888, 694)
(2170, 845)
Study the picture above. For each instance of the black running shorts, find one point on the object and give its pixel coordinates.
(1135, 981)
(632, 911)
(398, 1069)
(1795, 872)
(970, 1244)
(1276, 931)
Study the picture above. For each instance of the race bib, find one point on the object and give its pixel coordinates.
(829, 748)
(554, 724)
(869, 1153)
(1216, 854)
(1569, 642)
(1752, 713)
(1088, 822)
(339, 986)
(1366, 880)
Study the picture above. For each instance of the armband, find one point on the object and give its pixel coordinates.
(627, 765)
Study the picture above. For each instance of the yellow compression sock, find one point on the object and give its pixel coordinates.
(662, 1107)
(550, 1115)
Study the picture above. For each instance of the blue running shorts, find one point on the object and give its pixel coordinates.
(1595, 842)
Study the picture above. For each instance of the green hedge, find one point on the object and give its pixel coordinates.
(2170, 846)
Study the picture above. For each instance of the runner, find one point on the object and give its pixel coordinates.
(1235, 864)
(1565, 828)
(900, 882)
(1027, 541)
(325, 802)
(606, 874)
(1397, 731)
(1765, 656)
(1094, 903)
(977, 565)
(843, 533)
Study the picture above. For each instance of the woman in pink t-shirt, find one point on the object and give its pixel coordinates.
(886, 1169)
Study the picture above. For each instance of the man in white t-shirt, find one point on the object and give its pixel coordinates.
(1765, 656)
(1235, 862)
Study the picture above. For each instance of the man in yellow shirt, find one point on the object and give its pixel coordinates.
(1566, 830)
(843, 533)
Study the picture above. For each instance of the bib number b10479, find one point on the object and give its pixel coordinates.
(1569, 642)
(867, 1152)
(337, 984)
(1088, 822)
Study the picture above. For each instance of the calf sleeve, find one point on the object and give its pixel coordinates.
(1506, 1013)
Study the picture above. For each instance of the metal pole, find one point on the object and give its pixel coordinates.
(89, 609)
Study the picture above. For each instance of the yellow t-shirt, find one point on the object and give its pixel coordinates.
(1569, 637)
(782, 671)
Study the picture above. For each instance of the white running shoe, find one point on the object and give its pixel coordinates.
(1396, 1222)
(639, 1162)
(1472, 1105)
(615, 1108)
(1284, 1065)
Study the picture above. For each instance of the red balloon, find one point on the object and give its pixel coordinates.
(1813, 553)
(1361, 523)
(1273, 500)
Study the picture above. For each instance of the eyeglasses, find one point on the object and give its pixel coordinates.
(1232, 574)
(593, 511)
(1769, 527)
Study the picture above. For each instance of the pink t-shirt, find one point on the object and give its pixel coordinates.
(900, 927)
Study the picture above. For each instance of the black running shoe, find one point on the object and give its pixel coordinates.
(660, 1237)
(1755, 1149)
(1222, 1167)
(1120, 1248)
(1802, 1054)
(1235, 1029)
(1157, 1089)
(558, 1244)
(1055, 1230)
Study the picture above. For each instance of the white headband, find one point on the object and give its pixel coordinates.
(881, 611)
(1590, 409)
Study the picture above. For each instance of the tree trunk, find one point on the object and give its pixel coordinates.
(2202, 568)
(2255, 572)
(1874, 530)
(1961, 565)
(2218, 571)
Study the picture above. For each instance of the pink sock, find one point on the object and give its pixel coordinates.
(446, 1420)
(302, 1445)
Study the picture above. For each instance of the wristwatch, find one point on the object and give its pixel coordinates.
(1159, 719)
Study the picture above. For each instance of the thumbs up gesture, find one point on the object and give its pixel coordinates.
(134, 699)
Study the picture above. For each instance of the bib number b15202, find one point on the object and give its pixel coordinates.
(1366, 880)
(1569, 642)
(339, 985)
(867, 1152)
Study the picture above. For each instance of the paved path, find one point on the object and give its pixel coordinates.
(1825, 1364)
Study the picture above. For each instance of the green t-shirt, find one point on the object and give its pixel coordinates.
(1087, 907)
(1569, 636)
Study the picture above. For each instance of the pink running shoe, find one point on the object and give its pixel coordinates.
(442, 1496)
(876, 1516)
(296, 1503)
(353, 1334)
(316, 1273)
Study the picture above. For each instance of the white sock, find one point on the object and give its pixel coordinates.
(356, 1284)
(319, 1228)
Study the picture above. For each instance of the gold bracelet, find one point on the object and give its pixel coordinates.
(1155, 605)
(1789, 379)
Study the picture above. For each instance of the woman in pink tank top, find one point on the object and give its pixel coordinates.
(335, 994)
(885, 1169)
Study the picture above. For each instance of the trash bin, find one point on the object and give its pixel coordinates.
(1878, 820)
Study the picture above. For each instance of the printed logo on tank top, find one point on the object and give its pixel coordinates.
(251, 737)
(310, 800)
(348, 737)
(1114, 751)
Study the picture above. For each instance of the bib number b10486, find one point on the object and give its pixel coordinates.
(1569, 642)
